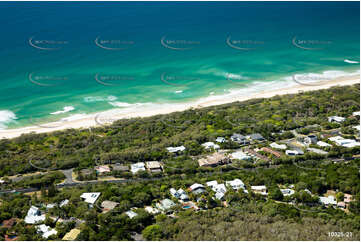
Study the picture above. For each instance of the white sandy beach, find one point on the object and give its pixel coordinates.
(107, 117)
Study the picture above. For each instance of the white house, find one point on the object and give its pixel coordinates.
(330, 200)
(219, 195)
(287, 192)
(180, 194)
(165, 204)
(277, 146)
(340, 141)
(176, 149)
(64, 203)
(262, 189)
(34, 216)
(90, 197)
(220, 188)
(211, 183)
(197, 188)
(151, 210)
(323, 144)
(292, 152)
(46, 231)
(140, 166)
(221, 140)
(336, 119)
(240, 155)
(210, 145)
(131, 214)
(236, 184)
(317, 151)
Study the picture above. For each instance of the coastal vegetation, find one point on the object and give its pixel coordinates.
(246, 216)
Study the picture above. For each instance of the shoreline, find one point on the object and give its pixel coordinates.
(147, 110)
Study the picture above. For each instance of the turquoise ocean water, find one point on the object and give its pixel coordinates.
(94, 56)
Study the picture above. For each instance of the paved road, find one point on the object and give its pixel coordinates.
(71, 183)
(68, 175)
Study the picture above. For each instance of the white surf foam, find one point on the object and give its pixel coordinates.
(6, 117)
(65, 110)
(350, 61)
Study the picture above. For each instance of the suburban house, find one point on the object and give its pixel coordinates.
(108, 205)
(287, 192)
(214, 159)
(330, 200)
(259, 189)
(255, 154)
(210, 145)
(102, 169)
(154, 166)
(151, 210)
(219, 189)
(240, 139)
(336, 119)
(71, 235)
(221, 140)
(236, 184)
(310, 139)
(64, 203)
(356, 113)
(294, 152)
(119, 167)
(46, 231)
(136, 167)
(317, 151)
(340, 141)
(34, 216)
(323, 144)
(176, 149)
(197, 188)
(256, 137)
(131, 214)
(240, 155)
(90, 197)
(273, 152)
(277, 146)
(211, 183)
(165, 204)
(180, 194)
